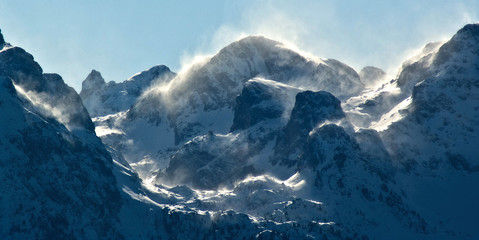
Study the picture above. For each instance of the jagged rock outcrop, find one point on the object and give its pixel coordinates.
(93, 85)
(310, 110)
(260, 101)
(2, 40)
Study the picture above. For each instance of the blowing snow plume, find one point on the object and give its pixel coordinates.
(216, 81)
(47, 91)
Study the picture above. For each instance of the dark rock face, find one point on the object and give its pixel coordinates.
(258, 117)
(194, 155)
(330, 144)
(255, 104)
(310, 110)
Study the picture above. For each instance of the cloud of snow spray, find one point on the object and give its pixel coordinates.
(40, 101)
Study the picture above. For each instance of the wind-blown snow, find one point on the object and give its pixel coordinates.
(257, 141)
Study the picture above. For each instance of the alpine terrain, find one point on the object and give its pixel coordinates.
(258, 141)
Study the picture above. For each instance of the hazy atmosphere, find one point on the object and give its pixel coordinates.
(121, 38)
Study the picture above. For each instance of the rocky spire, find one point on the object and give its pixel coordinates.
(93, 83)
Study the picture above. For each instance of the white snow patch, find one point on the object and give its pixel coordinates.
(104, 130)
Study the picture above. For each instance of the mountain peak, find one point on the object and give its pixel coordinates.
(159, 68)
(2, 41)
(153, 73)
(463, 43)
(94, 75)
(92, 83)
(254, 43)
(470, 31)
(256, 39)
(250, 44)
(370, 75)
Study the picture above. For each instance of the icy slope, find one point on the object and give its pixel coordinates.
(56, 175)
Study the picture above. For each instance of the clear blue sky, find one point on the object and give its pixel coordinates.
(120, 38)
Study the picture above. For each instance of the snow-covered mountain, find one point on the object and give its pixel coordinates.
(230, 122)
(256, 142)
(202, 98)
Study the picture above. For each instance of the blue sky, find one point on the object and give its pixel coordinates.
(120, 38)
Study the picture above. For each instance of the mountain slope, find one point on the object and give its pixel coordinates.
(380, 98)
(444, 109)
(56, 174)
